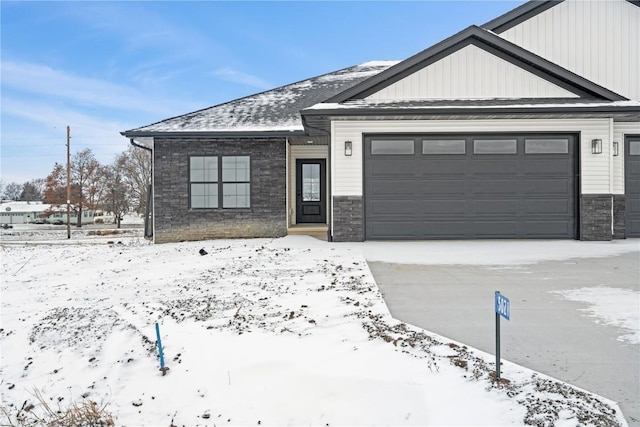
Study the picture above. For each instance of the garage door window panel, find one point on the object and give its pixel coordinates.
(443, 146)
(546, 146)
(634, 148)
(392, 147)
(495, 146)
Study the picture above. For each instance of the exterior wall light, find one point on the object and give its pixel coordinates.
(348, 148)
(616, 147)
(596, 146)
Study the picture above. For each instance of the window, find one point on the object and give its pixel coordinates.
(443, 146)
(235, 178)
(495, 146)
(311, 182)
(220, 182)
(203, 179)
(634, 148)
(403, 146)
(546, 146)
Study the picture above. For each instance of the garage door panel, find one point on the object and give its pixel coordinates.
(400, 207)
(446, 229)
(437, 187)
(392, 230)
(495, 229)
(559, 187)
(495, 206)
(467, 195)
(442, 167)
(547, 167)
(548, 207)
(482, 167)
(391, 188)
(548, 229)
(456, 207)
(495, 186)
(392, 168)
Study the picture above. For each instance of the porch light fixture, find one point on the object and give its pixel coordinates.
(348, 148)
(596, 146)
(616, 148)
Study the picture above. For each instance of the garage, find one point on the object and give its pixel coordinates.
(470, 186)
(632, 185)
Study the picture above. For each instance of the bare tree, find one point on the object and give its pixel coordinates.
(12, 191)
(135, 166)
(116, 198)
(33, 190)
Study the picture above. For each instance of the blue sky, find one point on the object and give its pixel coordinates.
(105, 67)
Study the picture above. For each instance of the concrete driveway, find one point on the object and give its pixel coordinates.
(547, 332)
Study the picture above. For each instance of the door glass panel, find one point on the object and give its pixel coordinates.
(380, 146)
(634, 148)
(443, 146)
(495, 146)
(546, 146)
(310, 182)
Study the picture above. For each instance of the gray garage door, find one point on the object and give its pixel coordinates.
(632, 185)
(470, 186)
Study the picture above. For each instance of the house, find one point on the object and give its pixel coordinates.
(525, 127)
(20, 212)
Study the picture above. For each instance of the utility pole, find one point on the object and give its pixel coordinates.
(68, 183)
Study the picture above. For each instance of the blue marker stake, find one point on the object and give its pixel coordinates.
(160, 352)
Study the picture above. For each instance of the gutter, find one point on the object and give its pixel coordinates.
(328, 172)
(212, 134)
(149, 211)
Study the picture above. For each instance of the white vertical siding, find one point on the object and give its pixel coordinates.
(300, 152)
(597, 39)
(347, 172)
(471, 73)
(620, 129)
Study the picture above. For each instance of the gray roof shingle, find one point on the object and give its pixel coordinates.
(276, 110)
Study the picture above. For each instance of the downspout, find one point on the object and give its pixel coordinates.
(330, 210)
(148, 214)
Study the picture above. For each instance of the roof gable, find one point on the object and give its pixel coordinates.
(471, 73)
(489, 42)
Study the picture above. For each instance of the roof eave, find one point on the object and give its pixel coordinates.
(212, 134)
(519, 15)
(356, 111)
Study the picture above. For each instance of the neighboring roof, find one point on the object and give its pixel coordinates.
(491, 43)
(23, 207)
(274, 111)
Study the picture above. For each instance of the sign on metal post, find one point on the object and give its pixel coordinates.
(502, 305)
(502, 308)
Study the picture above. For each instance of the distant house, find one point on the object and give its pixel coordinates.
(525, 127)
(13, 213)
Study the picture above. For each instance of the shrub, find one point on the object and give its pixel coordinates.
(85, 413)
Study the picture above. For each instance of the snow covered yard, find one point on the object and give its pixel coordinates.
(288, 331)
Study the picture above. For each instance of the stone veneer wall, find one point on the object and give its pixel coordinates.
(595, 217)
(266, 217)
(348, 219)
(619, 219)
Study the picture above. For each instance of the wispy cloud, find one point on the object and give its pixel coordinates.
(235, 76)
(44, 81)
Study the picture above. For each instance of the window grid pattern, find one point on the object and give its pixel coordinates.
(219, 182)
